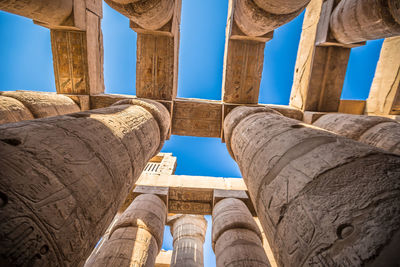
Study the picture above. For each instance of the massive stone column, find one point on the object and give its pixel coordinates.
(188, 232)
(322, 199)
(26, 105)
(54, 12)
(136, 238)
(236, 238)
(360, 20)
(63, 178)
(376, 131)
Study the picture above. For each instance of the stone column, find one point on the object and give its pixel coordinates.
(236, 238)
(322, 199)
(360, 20)
(54, 12)
(26, 105)
(376, 131)
(188, 232)
(63, 178)
(136, 238)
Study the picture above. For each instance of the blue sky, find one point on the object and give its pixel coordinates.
(26, 64)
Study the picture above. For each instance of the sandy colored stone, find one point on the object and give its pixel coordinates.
(360, 20)
(236, 238)
(43, 105)
(384, 96)
(11, 110)
(53, 12)
(188, 233)
(81, 167)
(136, 237)
(373, 130)
(322, 199)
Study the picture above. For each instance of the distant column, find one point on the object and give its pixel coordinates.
(236, 238)
(62, 179)
(322, 199)
(188, 232)
(136, 238)
(361, 20)
(373, 130)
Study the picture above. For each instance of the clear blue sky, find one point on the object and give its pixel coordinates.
(26, 64)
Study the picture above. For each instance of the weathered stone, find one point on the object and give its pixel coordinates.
(376, 131)
(43, 105)
(320, 70)
(322, 199)
(63, 178)
(384, 96)
(188, 233)
(237, 241)
(53, 12)
(136, 237)
(360, 20)
(12, 110)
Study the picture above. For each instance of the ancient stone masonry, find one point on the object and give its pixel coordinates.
(188, 233)
(237, 240)
(377, 131)
(25, 105)
(81, 167)
(136, 237)
(322, 199)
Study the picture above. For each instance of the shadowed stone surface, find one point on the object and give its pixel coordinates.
(322, 199)
(136, 237)
(40, 105)
(360, 20)
(63, 178)
(236, 238)
(376, 131)
(188, 233)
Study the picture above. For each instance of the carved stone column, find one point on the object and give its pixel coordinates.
(54, 12)
(25, 105)
(236, 238)
(360, 20)
(136, 238)
(376, 131)
(322, 199)
(63, 178)
(188, 232)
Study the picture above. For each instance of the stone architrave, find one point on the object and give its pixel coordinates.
(188, 233)
(62, 179)
(322, 199)
(355, 21)
(27, 105)
(373, 130)
(136, 237)
(236, 238)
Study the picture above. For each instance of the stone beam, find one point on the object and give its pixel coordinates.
(191, 194)
(163, 258)
(195, 117)
(157, 25)
(384, 96)
(321, 62)
(78, 54)
(249, 25)
(360, 20)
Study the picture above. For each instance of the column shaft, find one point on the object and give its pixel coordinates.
(136, 238)
(376, 131)
(188, 232)
(236, 238)
(53, 12)
(322, 199)
(26, 105)
(63, 178)
(355, 21)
